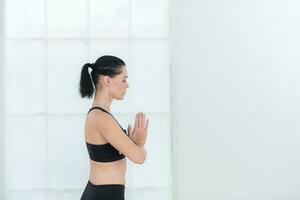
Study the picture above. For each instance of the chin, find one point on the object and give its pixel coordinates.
(120, 98)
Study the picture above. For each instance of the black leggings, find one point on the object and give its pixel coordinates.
(103, 192)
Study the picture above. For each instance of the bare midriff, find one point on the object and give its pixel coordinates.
(108, 172)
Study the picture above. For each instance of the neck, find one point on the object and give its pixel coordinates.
(103, 100)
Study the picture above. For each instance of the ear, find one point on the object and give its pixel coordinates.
(106, 80)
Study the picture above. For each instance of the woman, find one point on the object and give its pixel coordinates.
(107, 142)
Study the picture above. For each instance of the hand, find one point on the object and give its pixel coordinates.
(139, 134)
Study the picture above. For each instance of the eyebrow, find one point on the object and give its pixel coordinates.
(125, 76)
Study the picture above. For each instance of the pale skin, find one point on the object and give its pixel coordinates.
(101, 128)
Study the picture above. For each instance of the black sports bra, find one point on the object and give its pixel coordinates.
(104, 152)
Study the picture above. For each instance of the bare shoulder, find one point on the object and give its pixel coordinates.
(98, 119)
(103, 122)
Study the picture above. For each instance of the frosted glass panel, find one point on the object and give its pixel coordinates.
(25, 18)
(157, 164)
(150, 82)
(148, 193)
(109, 18)
(150, 18)
(45, 113)
(119, 48)
(65, 61)
(24, 77)
(40, 194)
(67, 148)
(25, 152)
(66, 18)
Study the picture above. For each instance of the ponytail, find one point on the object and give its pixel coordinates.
(86, 87)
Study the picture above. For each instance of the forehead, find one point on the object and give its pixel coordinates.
(123, 72)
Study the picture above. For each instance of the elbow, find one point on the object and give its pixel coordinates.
(141, 160)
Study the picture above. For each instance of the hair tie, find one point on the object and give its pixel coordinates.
(94, 69)
(92, 66)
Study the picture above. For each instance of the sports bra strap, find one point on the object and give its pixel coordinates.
(97, 107)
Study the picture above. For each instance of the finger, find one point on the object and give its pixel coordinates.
(132, 135)
(140, 120)
(139, 137)
(147, 125)
(136, 121)
(143, 121)
(129, 130)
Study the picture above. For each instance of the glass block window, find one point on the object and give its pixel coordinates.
(46, 45)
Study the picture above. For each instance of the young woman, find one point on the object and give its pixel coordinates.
(107, 142)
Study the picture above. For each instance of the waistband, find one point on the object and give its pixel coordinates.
(106, 185)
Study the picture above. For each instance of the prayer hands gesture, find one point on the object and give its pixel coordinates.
(139, 134)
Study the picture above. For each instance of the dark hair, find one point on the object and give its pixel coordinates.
(105, 65)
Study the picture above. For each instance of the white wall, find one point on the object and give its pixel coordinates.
(2, 135)
(236, 99)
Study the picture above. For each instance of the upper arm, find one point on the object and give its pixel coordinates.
(112, 132)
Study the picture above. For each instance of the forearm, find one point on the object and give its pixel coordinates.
(143, 154)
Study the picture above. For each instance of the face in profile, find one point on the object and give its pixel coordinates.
(119, 84)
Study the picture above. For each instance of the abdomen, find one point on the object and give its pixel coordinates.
(108, 173)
